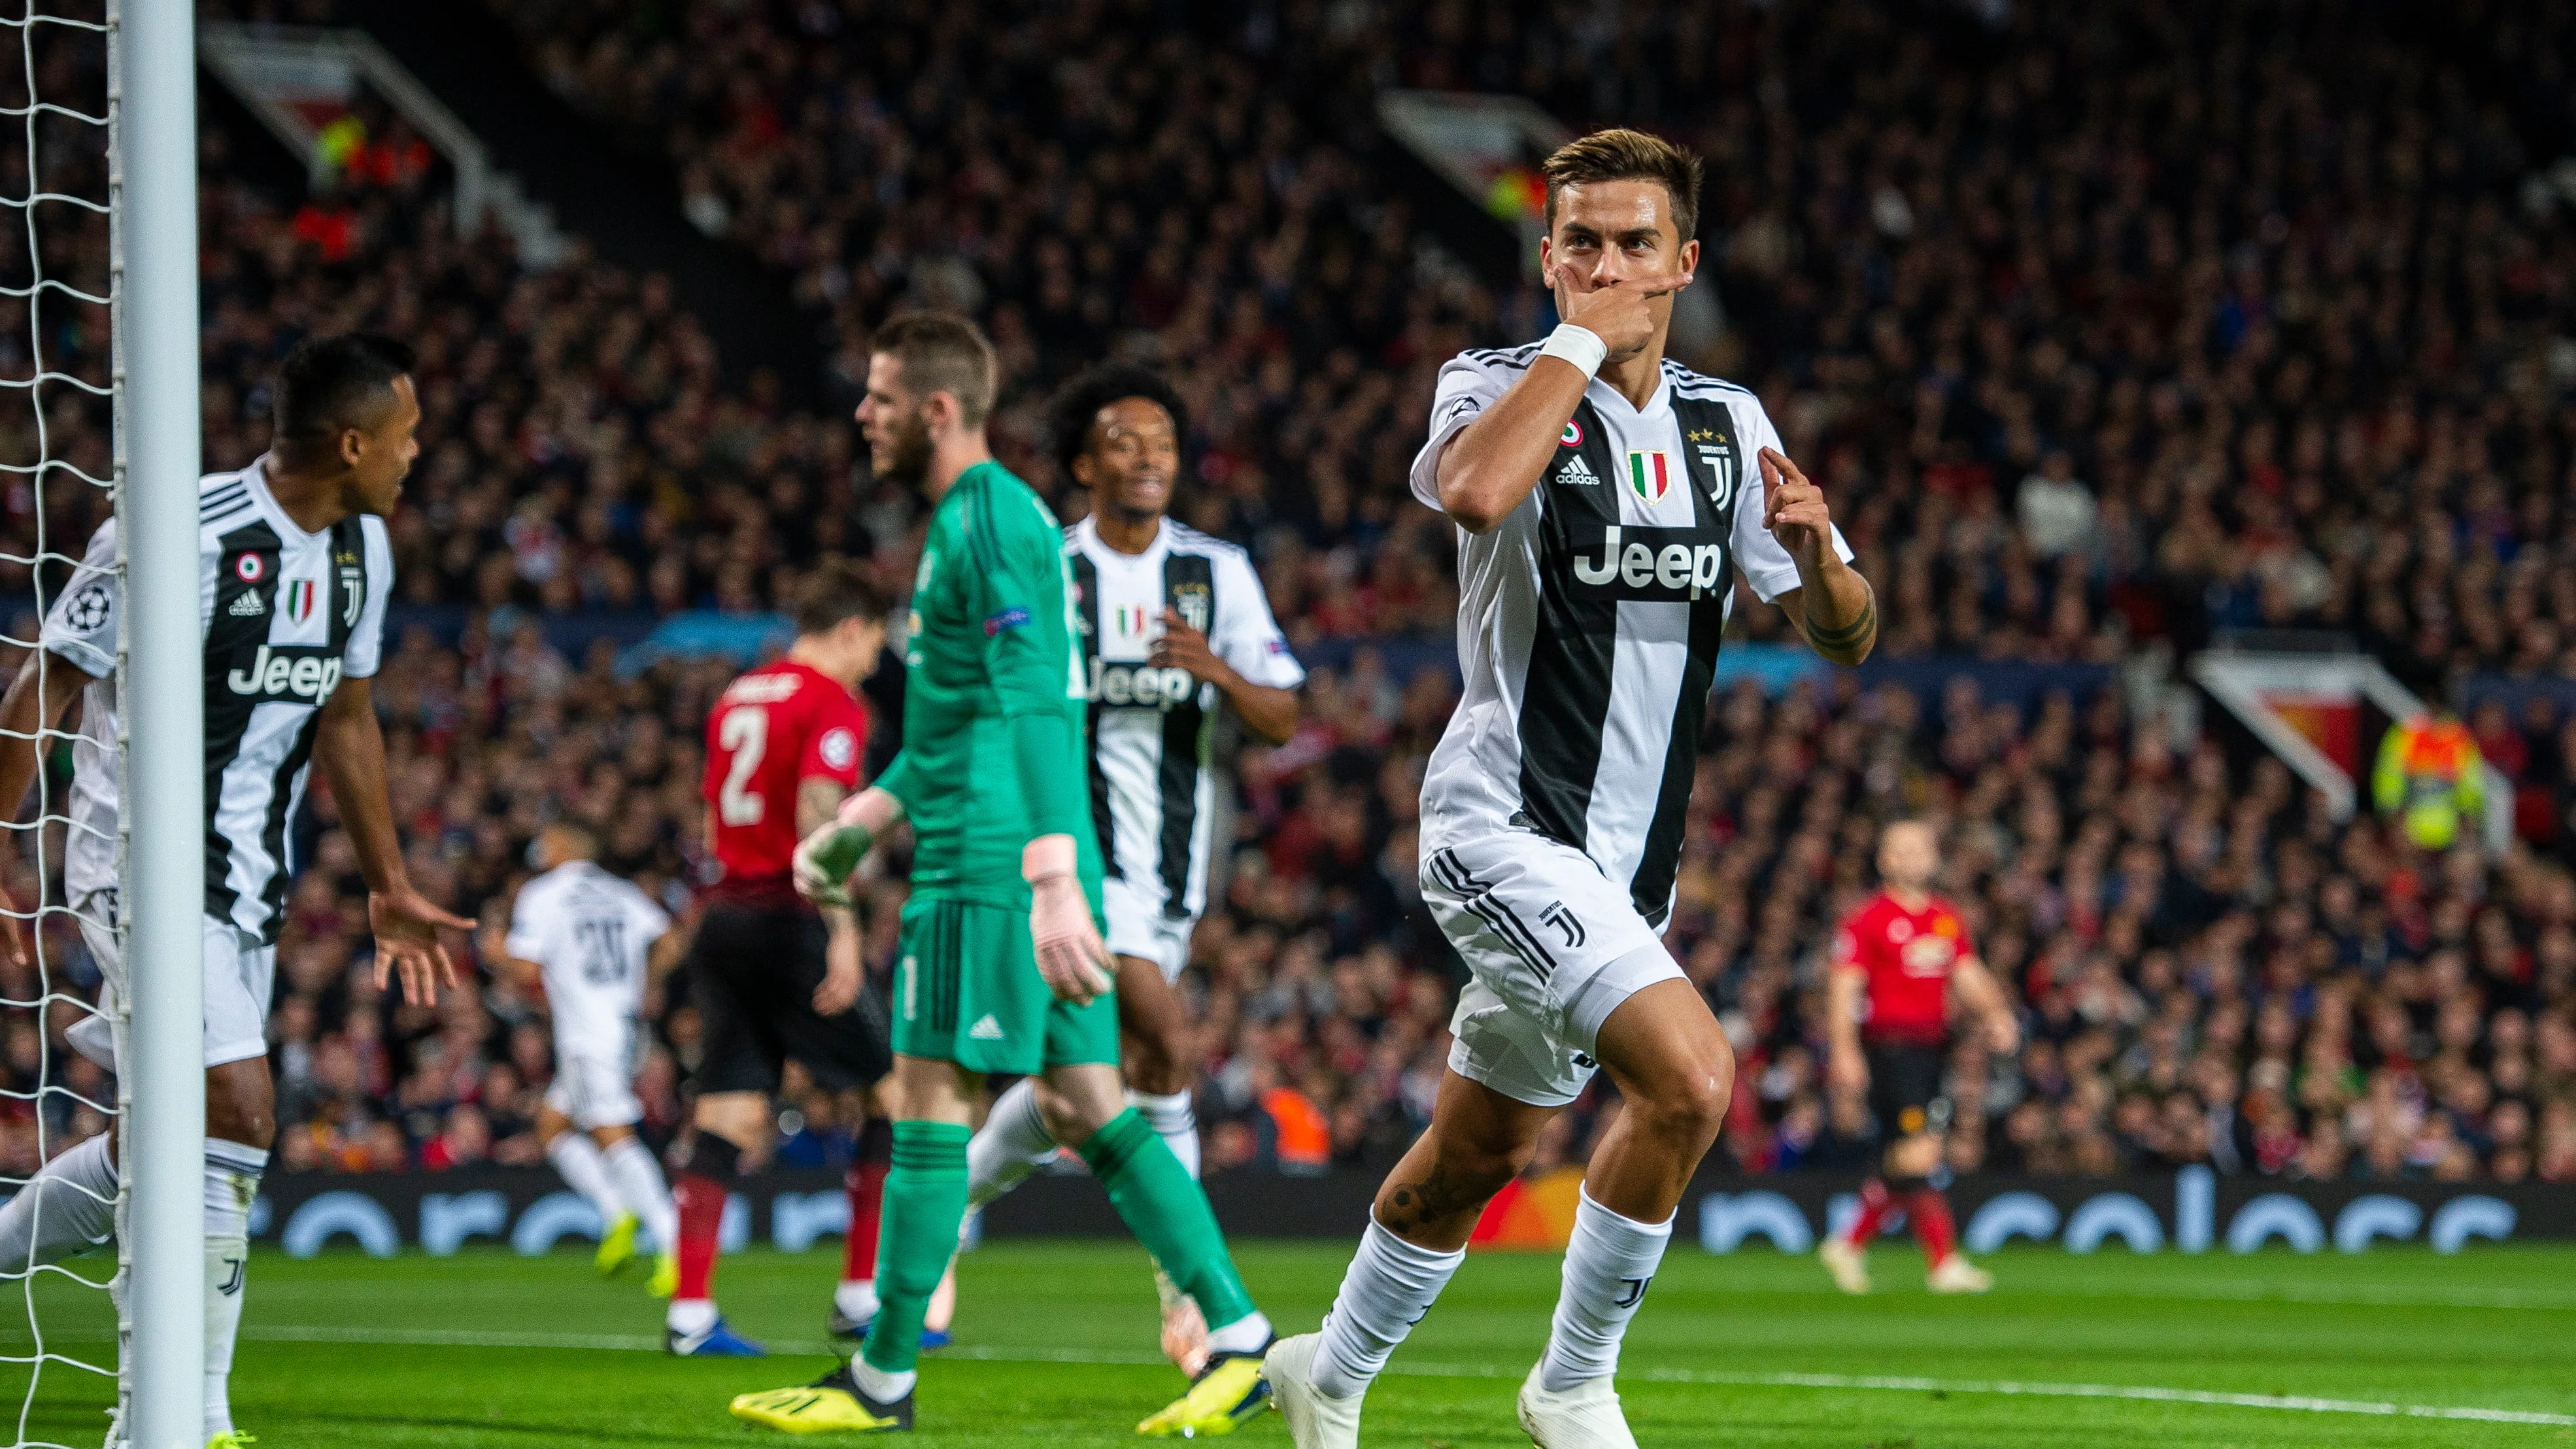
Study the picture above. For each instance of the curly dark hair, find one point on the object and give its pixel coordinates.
(1070, 416)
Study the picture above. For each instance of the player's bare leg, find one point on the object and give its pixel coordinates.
(733, 1131)
(1672, 1064)
(1675, 1073)
(1478, 1140)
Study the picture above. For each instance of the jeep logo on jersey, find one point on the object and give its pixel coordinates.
(1140, 686)
(299, 595)
(1650, 473)
(1663, 565)
(289, 673)
(1193, 602)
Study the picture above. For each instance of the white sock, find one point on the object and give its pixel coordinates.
(1014, 1141)
(1176, 1118)
(1389, 1286)
(857, 1299)
(640, 1188)
(689, 1315)
(1247, 1334)
(880, 1385)
(577, 1158)
(68, 1207)
(1608, 1265)
(232, 1181)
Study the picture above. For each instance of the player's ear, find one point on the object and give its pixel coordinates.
(1085, 471)
(1690, 254)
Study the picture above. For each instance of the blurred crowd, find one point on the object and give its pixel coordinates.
(2107, 329)
(2108, 324)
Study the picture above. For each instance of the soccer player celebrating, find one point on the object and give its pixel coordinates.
(1002, 965)
(591, 938)
(1604, 503)
(1172, 624)
(771, 978)
(294, 571)
(1887, 1023)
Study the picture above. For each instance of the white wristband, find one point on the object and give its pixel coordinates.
(1579, 345)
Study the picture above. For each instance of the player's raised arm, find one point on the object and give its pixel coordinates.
(1611, 311)
(1832, 604)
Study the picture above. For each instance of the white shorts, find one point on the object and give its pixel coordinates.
(1138, 927)
(1554, 947)
(595, 1091)
(240, 973)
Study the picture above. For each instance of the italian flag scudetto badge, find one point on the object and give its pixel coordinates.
(1650, 473)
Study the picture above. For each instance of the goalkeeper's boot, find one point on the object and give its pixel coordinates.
(617, 1246)
(229, 1439)
(666, 1276)
(1228, 1393)
(1849, 1265)
(716, 1340)
(832, 1404)
(1316, 1420)
(1583, 1417)
(1955, 1274)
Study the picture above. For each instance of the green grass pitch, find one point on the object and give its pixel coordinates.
(1055, 1348)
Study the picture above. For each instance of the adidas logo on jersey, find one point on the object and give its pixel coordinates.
(248, 606)
(986, 1029)
(1579, 472)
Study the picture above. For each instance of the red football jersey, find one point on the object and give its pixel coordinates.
(770, 731)
(1909, 956)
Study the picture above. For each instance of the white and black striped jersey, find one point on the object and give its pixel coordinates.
(285, 615)
(1151, 729)
(1589, 620)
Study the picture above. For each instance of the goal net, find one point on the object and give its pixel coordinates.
(58, 470)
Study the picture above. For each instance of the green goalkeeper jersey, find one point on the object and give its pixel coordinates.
(993, 697)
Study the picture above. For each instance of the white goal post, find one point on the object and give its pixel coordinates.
(153, 199)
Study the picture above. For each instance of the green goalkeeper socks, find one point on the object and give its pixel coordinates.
(1168, 1212)
(925, 1200)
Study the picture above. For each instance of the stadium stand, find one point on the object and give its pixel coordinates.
(2086, 389)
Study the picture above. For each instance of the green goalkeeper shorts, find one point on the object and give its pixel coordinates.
(967, 990)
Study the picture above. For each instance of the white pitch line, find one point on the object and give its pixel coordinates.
(2014, 1388)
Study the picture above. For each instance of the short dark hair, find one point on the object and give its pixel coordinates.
(328, 384)
(1624, 155)
(836, 592)
(942, 352)
(1077, 406)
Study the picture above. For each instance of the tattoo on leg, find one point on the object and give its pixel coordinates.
(1441, 1195)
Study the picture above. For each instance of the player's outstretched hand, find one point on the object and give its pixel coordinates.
(1620, 311)
(406, 926)
(1071, 955)
(1794, 509)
